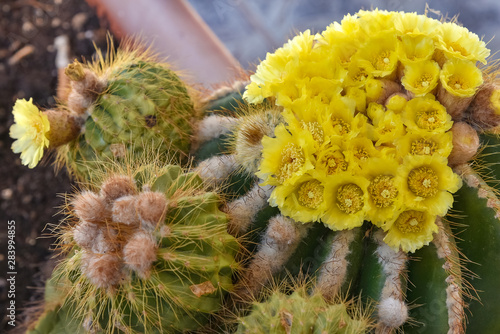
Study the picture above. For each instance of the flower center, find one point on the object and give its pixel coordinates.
(383, 60)
(410, 221)
(383, 191)
(350, 198)
(424, 81)
(361, 154)
(423, 147)
(423, 182)
(428, 119)
(315, 129)
(457, 82)
(311, 194)
(334, 162)
(292, 158)
(341, 126)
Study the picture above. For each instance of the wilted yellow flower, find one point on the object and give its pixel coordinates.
(30, 130)
(459, 42)
(347, 199)
(284, 158)
(303, 201)
(427, 115)
(421, 78)
(461, 77)
(384, 190)
(412, 230)
(429, 183)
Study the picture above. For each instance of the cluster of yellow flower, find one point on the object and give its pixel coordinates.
(368, 105)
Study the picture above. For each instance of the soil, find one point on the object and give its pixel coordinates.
(31, 197)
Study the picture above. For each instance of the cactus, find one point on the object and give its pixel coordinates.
(148, 252)
(361, 155)
(115, 105)
(300, 312)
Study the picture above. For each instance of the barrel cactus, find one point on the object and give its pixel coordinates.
(116, 105)
(147, 252)
(365, 155)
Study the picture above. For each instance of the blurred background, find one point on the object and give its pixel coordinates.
(35, 35)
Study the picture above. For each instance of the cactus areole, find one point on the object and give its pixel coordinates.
(369, 167)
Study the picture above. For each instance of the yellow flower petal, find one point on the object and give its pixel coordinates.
(30, 131)
(421, 78)
(461, 77)
(458, 42)
(426, 115)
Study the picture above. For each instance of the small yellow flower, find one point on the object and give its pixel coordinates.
(30, 131)
(384, 191)
(396, 103)
(425, 144)
(303, 201)
(284, 158)
(347, 199)
(378, 56)
(412, 230)
(331, 160)
(414, 49)
(358, 151)
(374, 22)
(426, 115)
(358, 95)
(459, 42)
(357, 75)
(416, 25)
(387, 126)
(421, 78)
(461, 77)
(429, 183)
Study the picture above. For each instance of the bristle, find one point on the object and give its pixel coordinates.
(91, 207)
(151, 208)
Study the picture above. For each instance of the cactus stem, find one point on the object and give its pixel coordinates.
(454, 293)
(280, 241)
(213, 127)
(242, 211)
(216, 169)
(333, 272)
(392, 309)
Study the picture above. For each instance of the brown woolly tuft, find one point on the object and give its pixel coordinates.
(85, 234)
(455, 105)
(151, 208)
(91, 207)
(483, 113)
(64, 127)
(465, 144)
(124, 211)
(139, 253)
(103, 270)
(118, 186)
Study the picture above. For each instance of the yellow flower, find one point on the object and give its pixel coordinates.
(285, 158)
(425, 144)
(342, 120)
(414, 24)
(421, 78)
(341, 41)
(347, 199)
(276, 73)
(358, 95)
(459, 42)
(415, 48)
(412, 230)
(374, 22)
(429, 183)
(378, 56)
(30, 130)
(357, 75)
(358, 151)
(426, 115)
(384, 191)
(461, 77)
(331, 159)
(396, 103)
(303, 201)
(387, 126)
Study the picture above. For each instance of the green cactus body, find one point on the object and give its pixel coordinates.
(139, 102)
(300, 313)
(163, 267)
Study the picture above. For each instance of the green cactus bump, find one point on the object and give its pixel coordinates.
(302, 313)
(115, 106)
(372, 164)
(148, 252)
